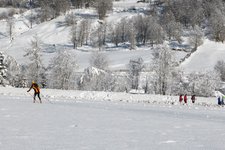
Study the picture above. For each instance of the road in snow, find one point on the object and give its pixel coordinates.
(107, 125)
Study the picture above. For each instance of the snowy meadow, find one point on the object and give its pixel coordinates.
(107, 121)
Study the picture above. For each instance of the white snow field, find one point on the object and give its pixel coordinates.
(205, 58)
(101, 124)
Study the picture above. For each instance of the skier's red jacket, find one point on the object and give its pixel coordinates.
(180, 99)
(35, 87)
(185, 98)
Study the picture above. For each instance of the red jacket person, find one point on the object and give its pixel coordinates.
(36, 89)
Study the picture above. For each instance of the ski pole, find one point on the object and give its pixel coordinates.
(46, 99)
(31, 95)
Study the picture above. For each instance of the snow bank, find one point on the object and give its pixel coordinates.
(57, 95)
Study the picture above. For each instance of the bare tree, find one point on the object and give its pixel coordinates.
(132, 36)
(102, 6)
(74, 35)
(120, 31)
(53, 8)
(70, 19)
(84, 31)
(10, 24)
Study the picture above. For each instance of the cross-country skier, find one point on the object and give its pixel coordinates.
(180, 98)
(185, 98)
(193, 99)
(36, 91)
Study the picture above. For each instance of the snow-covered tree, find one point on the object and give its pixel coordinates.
(132, 36)
(74, 36)
(9, 71)
(135, 66)
(70, 19)
(120, 31)
(99, 60)
(35, 69)
(203, 84)
(220, 69)
(2, 70)
(95, 79)
(162, 66)
(216, 23)
(53, 8)
(196, 38)
(98, 36)
(62, 70)
(80, 32)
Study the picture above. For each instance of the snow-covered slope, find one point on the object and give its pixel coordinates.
(55, 36)
(205, 57)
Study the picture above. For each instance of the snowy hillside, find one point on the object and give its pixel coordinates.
(205, 57)
(55, 36)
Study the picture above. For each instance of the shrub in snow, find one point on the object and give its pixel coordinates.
(95, 79)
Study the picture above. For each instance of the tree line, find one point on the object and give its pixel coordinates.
(160, 76)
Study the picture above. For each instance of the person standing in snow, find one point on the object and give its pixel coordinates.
(193, 99)
(219, 101)
(222, 100)
(36, 89)
(185, 98)
(180, 98)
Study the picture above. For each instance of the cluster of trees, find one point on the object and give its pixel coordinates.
(164, 20)
(161, 75)
(10, 72)
(206, 14)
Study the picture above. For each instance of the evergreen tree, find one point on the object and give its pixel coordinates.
(2, 70)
